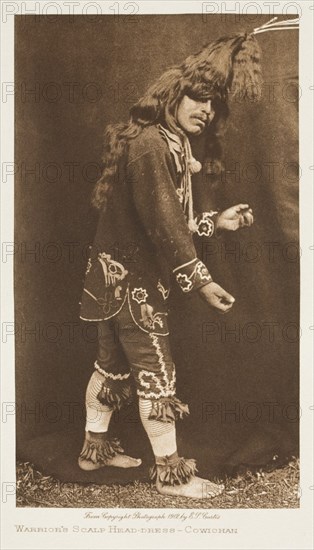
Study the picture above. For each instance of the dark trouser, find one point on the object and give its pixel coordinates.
(125, 348)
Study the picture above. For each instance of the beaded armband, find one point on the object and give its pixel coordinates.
(205, 223)
(192, 275)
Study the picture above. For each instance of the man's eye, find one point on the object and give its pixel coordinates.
(199, 99)
(203, 99)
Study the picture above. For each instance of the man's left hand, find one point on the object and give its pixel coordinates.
(235, 217)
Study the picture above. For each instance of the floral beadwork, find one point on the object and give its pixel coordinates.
(156, 386)
(205, 227)
(139, 295)
(149, 318)
(184, 282)
(113, 271)
(165, 293)
(196, 273)
(202, 272)
(205, 224)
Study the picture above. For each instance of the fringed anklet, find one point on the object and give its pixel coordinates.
(173, 470)
(98, 450)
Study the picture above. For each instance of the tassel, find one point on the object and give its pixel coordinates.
(99, 452)
(115, 394)
(194, 166)
(173, 472)
(168, 409)
(193, 227)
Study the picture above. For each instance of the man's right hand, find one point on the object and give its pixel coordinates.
(216, 297)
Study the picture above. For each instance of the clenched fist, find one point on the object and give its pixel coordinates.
(216, 297)
(235, 217)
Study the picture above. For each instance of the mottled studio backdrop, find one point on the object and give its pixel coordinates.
(239, 372)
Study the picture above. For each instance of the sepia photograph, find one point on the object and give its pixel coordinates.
(156, 260)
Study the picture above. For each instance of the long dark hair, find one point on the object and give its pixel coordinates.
(158, 105)
(232, 61)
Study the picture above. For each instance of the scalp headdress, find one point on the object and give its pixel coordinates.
(229, 65)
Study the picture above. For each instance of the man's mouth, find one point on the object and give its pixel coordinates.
(200, 120)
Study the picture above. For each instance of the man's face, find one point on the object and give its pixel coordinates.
(194, 115)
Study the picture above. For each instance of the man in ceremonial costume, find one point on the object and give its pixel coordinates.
(144, 245)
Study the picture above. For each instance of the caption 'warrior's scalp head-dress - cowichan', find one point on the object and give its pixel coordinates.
(144, 244)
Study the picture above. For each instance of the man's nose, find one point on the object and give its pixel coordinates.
(207, 107)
